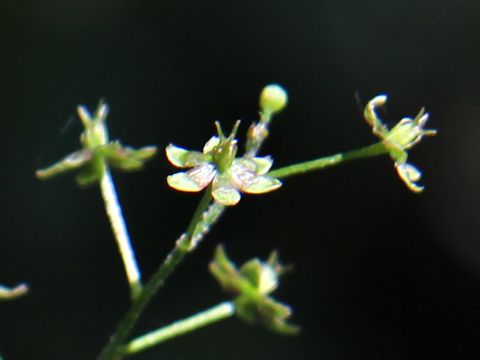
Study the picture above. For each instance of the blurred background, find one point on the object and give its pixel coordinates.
(380, 272)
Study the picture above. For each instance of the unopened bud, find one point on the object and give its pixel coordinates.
(273, 98)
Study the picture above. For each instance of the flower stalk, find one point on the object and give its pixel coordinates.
(181, 327)
(273, 99)
(119, 228)
(327, 161)
(93, 162)
(204, 217)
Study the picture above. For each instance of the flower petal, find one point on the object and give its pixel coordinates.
(261, 184)
(268, 281)
(242, 173)
(143, 153)
(73, 161)
(371, 117)
(182, 158)
(224, 192)
(176, 155)
(410, 175)
(210, 144)
(263, 164)
(193, 180)
(87, 176)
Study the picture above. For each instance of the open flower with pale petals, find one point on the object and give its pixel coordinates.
(217, 165)
(403, 136)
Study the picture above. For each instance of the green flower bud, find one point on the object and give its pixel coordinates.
(273, 98)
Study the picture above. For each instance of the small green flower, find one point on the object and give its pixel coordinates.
(252, 285)
(217, 165)
(403, 136)
(97, 151)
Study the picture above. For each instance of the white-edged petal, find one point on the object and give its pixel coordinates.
(71, 162)
(210, 144)
(262, 184)
(223, 192)
(242, 173)
(227, 196)
(183, 158)
(410, 175)
(176, 155)
(193, 180)
(268, 280)
(263, 164)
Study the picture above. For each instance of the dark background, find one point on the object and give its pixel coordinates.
(381, 273)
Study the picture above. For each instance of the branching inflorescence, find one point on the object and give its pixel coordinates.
(224, 176)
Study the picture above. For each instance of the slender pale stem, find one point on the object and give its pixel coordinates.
(204, 217)
(219, 312)
(114, 212)
(321, 163)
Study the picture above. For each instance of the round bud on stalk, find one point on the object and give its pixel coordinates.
(273, 98)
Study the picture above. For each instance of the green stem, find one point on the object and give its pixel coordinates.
(321, 163)
(257, 134)
(204, 217)
(119, 228)
(219, 312)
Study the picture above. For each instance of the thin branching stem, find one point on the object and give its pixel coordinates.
(206, 214)
(114, 213)
(321, 163)
(206, 317)
(204, 217)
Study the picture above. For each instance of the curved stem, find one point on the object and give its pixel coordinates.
(321, 163)
(204, 217)
(219, 312)
(119, 228)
